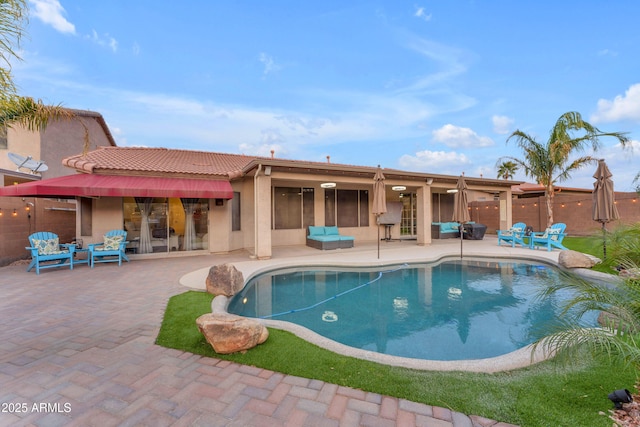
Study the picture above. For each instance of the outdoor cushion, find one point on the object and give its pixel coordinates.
(48, 246)
(331, 231)
(316, 231)
(111, 243)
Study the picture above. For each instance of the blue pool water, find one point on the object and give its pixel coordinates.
(452, 310)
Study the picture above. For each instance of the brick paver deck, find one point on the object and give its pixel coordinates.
(77, 349)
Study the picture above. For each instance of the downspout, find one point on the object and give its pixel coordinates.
(255, 212)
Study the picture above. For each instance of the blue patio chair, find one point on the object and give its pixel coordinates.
(551, 238)
(112, 249)
(47, 252)
(513, 236)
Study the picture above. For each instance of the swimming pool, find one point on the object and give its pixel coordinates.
(450, 310)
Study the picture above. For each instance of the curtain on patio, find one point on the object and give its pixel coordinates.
(189, 206)
(144, 204)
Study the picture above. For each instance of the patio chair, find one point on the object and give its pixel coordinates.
(47, 252)
(513, 235)
(112, 249)
(551, 238)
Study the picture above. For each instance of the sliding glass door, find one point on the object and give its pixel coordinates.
(165, 224)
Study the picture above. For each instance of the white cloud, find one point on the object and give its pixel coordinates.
(51, 13)
(607, 52)
(269, 64)
(104, 40)
(455, 136)
(625, 107)
(502, 124)
(434, 161)
(263, 150)
(420, 13)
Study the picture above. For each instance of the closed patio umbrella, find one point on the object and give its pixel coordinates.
(379, 200)
(604, 208)
(460, 210)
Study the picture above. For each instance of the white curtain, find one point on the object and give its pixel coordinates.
(189, 206)
(144, 204)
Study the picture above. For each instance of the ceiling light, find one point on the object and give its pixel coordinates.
(328, 185)
(398, 188)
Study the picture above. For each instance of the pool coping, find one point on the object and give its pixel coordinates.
(520, 358)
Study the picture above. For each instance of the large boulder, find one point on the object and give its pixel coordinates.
(228, 333)
(224, 279)
(574, 259)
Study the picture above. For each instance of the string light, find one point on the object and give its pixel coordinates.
(0, 211)
(15, 213)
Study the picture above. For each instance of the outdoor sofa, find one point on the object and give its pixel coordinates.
(445, 230)
(328, 238)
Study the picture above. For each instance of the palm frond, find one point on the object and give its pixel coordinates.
(32, 114)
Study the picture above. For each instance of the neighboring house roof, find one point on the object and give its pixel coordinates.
(99, 119)
(530, 189)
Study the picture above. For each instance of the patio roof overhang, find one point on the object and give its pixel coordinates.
(91, 185)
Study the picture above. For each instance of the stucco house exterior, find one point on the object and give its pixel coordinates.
(176, 202)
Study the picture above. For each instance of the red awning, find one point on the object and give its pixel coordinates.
(89, 185)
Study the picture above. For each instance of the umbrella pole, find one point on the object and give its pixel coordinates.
(378, 241)
(604, 241)
(461, 233)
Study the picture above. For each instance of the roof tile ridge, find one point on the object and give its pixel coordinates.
(79, 163)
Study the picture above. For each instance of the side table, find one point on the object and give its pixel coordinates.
(84, 260)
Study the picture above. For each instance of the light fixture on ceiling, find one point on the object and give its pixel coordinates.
(398, 188)
(328, 185)
(452, 190)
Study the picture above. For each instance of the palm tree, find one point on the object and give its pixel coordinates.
(507, 170)
(551, 163)
(618, 336)
(15, 109)
(13, 16)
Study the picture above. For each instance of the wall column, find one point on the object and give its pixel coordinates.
(424, 213)
(263, 216)
(506, 209)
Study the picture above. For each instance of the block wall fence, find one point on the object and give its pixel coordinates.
(573, 210)
(45, 215)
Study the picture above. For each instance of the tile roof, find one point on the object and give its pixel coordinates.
(157, 161)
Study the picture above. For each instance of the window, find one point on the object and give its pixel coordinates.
(235, 212)
(347, 208)
(293, 207)
(86, 216)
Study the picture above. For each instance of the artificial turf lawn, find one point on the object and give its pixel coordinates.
(546, 394)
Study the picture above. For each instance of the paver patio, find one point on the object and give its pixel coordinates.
(77, 349)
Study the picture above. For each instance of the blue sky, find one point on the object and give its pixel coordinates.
(433, 86)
